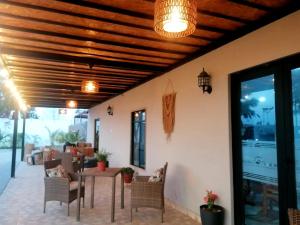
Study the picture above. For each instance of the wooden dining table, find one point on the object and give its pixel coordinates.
(95, 172)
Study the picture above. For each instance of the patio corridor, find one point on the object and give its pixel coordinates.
(22, 204)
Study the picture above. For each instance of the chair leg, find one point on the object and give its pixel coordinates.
(60, 203)
(136, 209)
(130, 214)
(44, 205)
(162, 215)
(68, 209)
(83, 202)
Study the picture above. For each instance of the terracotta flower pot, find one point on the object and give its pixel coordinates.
(214, 216)
(101, 166)
(127, 178)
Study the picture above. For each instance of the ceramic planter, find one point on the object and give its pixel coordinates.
(214, 216)
(127, 178)
(101, 166)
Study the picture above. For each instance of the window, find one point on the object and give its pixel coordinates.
(138, 128)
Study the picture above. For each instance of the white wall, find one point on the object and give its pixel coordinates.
(199, 152)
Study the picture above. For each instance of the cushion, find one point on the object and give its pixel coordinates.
(157, 176)
(87, 151)
(58, 171)
(74, 185)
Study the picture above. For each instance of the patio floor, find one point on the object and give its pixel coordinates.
(22, 204)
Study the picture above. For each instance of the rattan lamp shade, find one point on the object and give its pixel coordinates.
(175, 18)
(89, 86)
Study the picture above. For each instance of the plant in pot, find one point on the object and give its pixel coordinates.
(127, 174)
(210, 213)
(102, 158)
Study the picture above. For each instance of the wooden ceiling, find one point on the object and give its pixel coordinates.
(48, 46)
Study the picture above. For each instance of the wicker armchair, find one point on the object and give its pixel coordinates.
(294, 216)
(148, 194)
(59, 188)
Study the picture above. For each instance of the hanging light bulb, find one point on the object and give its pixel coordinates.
(89, 86)
(71, 104)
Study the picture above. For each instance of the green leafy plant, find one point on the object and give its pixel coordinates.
(102, 155)
(73, 137)
(127, 170)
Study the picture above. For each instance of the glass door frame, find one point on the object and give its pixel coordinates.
(96, 142)
(284, 140)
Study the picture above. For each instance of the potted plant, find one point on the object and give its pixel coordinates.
(102, 158)
(210, 213)
(127, 174)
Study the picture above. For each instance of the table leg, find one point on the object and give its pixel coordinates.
(113, 199)
(78, 197)
(92, 191)
(122, 191)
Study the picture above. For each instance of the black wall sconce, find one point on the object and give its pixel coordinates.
(204, 80)
(110, 111)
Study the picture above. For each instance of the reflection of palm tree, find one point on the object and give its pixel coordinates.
(246, 106)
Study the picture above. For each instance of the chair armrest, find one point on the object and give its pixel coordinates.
(146, 189)
(142, 178)
(58, 185)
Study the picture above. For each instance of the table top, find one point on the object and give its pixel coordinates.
(109, 172)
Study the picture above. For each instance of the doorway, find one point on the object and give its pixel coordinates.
(96, 134)
(265, 104)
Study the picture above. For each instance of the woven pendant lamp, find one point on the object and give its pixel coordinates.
(175, 18)
(89, 86)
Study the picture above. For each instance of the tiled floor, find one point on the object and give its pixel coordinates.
(22, 204)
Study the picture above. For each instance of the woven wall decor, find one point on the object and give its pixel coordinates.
(168, 107)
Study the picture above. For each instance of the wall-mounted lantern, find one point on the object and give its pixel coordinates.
(204, 82)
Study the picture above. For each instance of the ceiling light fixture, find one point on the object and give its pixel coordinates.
(71, 104)
(89, 86)
(175, 18)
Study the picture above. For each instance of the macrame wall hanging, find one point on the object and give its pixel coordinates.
(168, 109)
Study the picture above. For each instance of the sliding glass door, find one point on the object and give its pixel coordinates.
(266, 142)
(296, 124)
(259, 151)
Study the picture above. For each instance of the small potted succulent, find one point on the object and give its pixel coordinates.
(210, 213)
(102, 158)
(127, 174)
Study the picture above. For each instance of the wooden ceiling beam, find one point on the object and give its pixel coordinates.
(223, 16)
(90, 22)
(87, 60)
(12, 60)
(77, 96)
(101, 52)
(60, 90)
(102, 82)
(87, 53)
(70, 71)
(75, 77)
(252, 5)
(45, 97)
(39, 27)
(66, 83)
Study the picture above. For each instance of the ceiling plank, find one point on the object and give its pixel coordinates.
(81, 21)
(83, 50)
(87, 60)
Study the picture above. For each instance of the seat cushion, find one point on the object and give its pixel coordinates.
(74, 185)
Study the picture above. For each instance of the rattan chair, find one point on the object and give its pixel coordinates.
(59, 188)
(148, 194)
(294, 216)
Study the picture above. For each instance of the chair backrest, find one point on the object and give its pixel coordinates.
(51, 164)
(164, 174)
(66, 161)
(294, 216)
